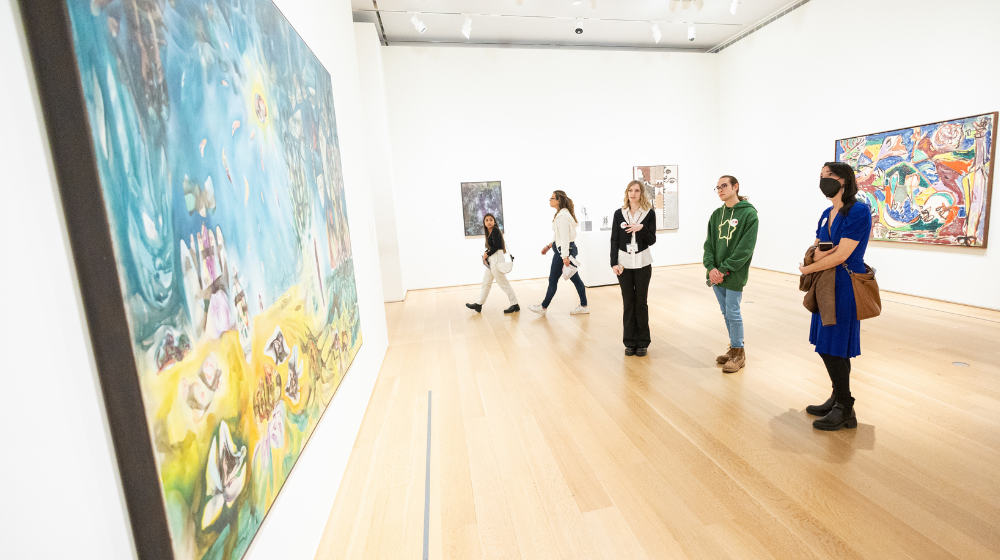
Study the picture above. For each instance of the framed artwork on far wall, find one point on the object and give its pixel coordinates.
(930, 183)
(479, 199)
(661, 187)
(196, 150)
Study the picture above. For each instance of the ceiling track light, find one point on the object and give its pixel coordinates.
(734, 6)
(418, 25)
(467, 27)
(657, 35)
(691, 32)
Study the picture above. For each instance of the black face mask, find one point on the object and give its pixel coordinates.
(829, 186)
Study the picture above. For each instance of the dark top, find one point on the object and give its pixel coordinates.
(844, 338)
(494, 242)
(620, 240)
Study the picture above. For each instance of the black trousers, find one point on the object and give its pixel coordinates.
(634, 283)
(839, 370)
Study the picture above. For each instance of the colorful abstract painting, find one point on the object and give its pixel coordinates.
(927, 184)
(215, 136)
(479, 199)
(661, 188)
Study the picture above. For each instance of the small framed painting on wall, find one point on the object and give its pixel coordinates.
(479, 199)
(661, 187)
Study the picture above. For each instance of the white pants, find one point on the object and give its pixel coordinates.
(491, 273)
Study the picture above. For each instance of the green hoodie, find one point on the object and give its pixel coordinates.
(732, 234)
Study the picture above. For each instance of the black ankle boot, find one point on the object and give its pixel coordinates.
(475, 307)
(512, 309)
(822, 409)
(629, 351)
(842, 416)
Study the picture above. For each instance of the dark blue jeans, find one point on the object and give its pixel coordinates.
(555, 273)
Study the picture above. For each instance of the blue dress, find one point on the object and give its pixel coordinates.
(844, 338)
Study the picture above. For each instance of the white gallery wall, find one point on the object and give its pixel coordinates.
(376, 126)
(61, 473)
(541, 120)
(840, 68)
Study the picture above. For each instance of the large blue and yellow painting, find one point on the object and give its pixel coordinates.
(928, 183)
(215, 136)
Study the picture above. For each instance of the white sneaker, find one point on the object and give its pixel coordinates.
(537, 308)
(580, 310)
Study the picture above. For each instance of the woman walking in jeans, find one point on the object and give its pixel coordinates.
(732, 235)
(564, 226)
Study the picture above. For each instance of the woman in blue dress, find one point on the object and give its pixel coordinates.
(847, 224)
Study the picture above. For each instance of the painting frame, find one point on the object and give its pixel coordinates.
(987, 203)
(48, 31)
(88, 229)
(472, 226)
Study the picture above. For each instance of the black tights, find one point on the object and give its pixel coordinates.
(840, 374)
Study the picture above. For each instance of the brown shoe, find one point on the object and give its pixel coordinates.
(737, 359)
(725, 357)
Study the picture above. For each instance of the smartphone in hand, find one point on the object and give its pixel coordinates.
(825, 246)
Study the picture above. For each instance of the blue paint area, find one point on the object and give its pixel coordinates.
(155, 92)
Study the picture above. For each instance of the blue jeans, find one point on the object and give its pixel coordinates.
(555, 273)
(729, 302)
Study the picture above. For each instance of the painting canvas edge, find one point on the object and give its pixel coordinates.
(88, 228)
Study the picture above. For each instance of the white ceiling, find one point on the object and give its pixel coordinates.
(551, 23)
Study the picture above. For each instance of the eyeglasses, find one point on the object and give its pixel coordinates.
(720, 189)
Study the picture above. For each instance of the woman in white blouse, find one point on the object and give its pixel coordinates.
(564, 226)
(633, 231)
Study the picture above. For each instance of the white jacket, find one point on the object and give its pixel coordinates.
(564, 227)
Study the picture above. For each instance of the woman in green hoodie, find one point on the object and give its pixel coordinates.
(732, 234)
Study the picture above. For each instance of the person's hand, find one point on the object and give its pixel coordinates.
(802, 269)
(566, 261)
(715, 276)
(633, 228)
(618, 269)
(485, 258)
(545, 249)
(820, 255)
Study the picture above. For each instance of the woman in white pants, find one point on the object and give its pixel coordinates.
(495, 250)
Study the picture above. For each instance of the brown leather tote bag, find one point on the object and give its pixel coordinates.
(866, 294)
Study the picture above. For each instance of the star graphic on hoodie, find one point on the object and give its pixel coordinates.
(731, 224)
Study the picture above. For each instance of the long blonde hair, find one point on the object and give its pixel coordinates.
(644, 203)
(564, 202)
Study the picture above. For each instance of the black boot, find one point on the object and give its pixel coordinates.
(512, 309)
(475, 307)
(640, 351)
(842, 416)
(629, 351)
(822, 409)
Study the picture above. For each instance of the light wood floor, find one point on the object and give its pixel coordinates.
(547, 442)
